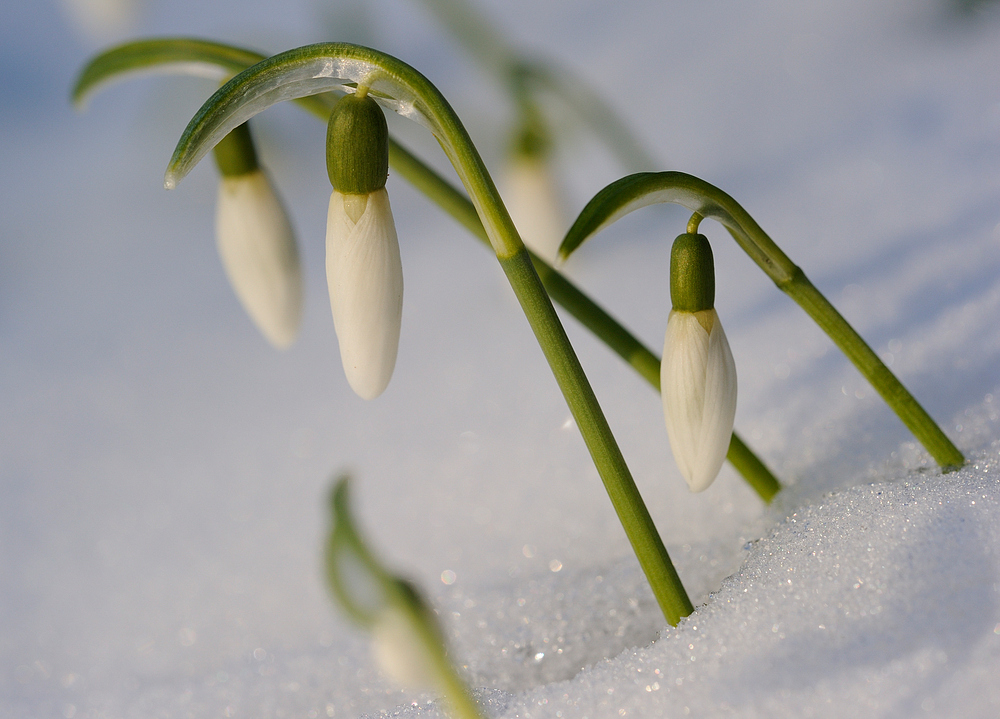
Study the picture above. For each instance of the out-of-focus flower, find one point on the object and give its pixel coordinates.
(363, 268)
(256, 242)
(532, 195)
(407, 641)
(102, 20)
(697, 373)
(534, 204)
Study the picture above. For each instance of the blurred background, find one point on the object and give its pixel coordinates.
(163, 470)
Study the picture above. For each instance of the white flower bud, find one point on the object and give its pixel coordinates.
(258, 252)
(698, 386)
(103, 20)
(365, 278)
(402, 652)
(534, 203)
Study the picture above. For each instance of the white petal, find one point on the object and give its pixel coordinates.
(258, 252)
(401, 652)
(533, 200)
(698, 386)
(365, 278)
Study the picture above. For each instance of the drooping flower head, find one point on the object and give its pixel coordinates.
(697, 373)
(363, 268)
(256, 241)
(531, 194)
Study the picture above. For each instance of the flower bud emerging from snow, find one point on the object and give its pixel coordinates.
(697, 374)
(363, 269)
(532, 196)
(407, 641)
(256, 242)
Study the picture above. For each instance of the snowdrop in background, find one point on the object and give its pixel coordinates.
(102, 20)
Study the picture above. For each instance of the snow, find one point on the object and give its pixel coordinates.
(164, 472)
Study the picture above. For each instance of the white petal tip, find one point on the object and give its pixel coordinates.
(365, 386)
(700, 484)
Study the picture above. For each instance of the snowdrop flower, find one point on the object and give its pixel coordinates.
(532, 196)
(256, 242)
(102, 20)
(697, 374)
(407, 641)
(363, 268)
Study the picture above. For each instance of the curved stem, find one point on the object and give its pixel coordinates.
(693, 224)
(945, 453)
(642, 189)
(618, 482)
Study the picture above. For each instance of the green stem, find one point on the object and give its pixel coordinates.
(236, 155)
(457, 694)
(618, 482)
(555, 345)
(752, 469)
(945, 453)
(551, 336)
(577, 303)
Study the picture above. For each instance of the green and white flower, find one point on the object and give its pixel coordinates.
(363, 268)
(697, 373)
(408, 643)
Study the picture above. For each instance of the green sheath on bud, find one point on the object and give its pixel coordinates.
(357, 146)
(692, 274)
(235, 154)
(531, 140)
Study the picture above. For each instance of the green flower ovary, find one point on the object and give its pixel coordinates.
(357, 146)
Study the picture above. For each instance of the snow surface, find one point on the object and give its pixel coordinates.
(164, 472)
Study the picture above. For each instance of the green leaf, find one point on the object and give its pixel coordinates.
(177, 56)
(296, 74)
